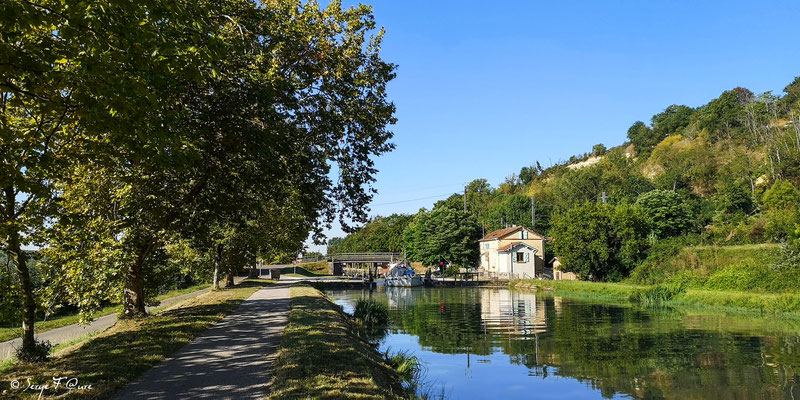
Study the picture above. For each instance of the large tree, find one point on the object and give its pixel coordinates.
(180, 105)
(601, 242)
(446, 231)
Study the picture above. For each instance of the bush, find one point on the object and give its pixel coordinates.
(39, 353)
(735, 277)
(371, 313)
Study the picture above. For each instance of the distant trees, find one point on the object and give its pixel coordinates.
(381, 234)
(601, 242)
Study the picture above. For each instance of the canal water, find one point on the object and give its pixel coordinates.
(480, 343)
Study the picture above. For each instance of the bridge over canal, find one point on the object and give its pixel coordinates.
(339, 262)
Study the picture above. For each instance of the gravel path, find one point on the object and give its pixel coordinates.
(231, 360)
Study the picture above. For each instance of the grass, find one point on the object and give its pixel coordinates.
(43, 326)
(299, 271)
(115, 357)
(318, 267)
(321, 356)
(587, 290)
(786, 304)
(741, 279)
(740, 267)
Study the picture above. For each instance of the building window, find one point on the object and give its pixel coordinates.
(487, 245)
(520, 257)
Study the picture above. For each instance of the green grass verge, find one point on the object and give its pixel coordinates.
(786, 304)
(44, 326)
(588, 290)
(302, 271)
(724, 268)
(321, 356)
(115, 357)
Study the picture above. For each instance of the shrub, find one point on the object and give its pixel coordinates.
(39, 353)
(735, 277)
(371, 313)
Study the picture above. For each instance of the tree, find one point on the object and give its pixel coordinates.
(598, 150)
(792, 96)
(723, 115)
(642, 137)
(266, 99)
(671, 121)
(514, 209)
(600, 241)
(446, 231)
(669, 215)
(381, 234)
(781, 204)
(528, 174)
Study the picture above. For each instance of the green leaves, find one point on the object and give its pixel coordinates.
(141, 127)
(600, 241)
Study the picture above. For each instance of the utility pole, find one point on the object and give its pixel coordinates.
(533, 212)
(603, 197)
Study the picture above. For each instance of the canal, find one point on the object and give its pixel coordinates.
(478, 343)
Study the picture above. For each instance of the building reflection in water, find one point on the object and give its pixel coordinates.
(517, 315)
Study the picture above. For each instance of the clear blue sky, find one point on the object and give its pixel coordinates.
(484, 89)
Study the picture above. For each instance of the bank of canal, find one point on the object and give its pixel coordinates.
(499, 342)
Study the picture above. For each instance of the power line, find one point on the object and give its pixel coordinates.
(408, 201)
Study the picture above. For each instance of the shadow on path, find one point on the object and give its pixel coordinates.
(233, 359)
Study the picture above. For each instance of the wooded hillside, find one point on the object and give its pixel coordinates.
(721, 174)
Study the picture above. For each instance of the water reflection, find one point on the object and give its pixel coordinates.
(499, 342)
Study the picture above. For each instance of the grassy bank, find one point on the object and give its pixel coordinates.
(732, 268)
(117, 356)
(317, 267)
(742, 278)
(787, 304)
(322, 357)
(44, 326)
(613, 292)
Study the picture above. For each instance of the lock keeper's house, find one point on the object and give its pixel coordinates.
(512, 253)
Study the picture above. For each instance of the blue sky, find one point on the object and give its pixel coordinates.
(484, 89)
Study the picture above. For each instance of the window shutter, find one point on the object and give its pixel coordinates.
(527, 257)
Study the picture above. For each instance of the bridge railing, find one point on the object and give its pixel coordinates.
(355, 257)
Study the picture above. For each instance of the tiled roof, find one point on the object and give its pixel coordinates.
(513, 244)
(500, 233)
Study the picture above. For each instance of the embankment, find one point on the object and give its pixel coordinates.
(323, 357)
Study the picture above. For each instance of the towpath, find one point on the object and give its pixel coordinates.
(231, 360)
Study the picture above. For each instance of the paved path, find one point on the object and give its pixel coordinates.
(74, 331)
(231, 360)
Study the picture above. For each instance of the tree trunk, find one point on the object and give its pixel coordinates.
(229, 283)
(133, 301)
(217, 262)
(20, 261)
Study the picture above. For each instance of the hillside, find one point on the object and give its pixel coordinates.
(725, 173)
